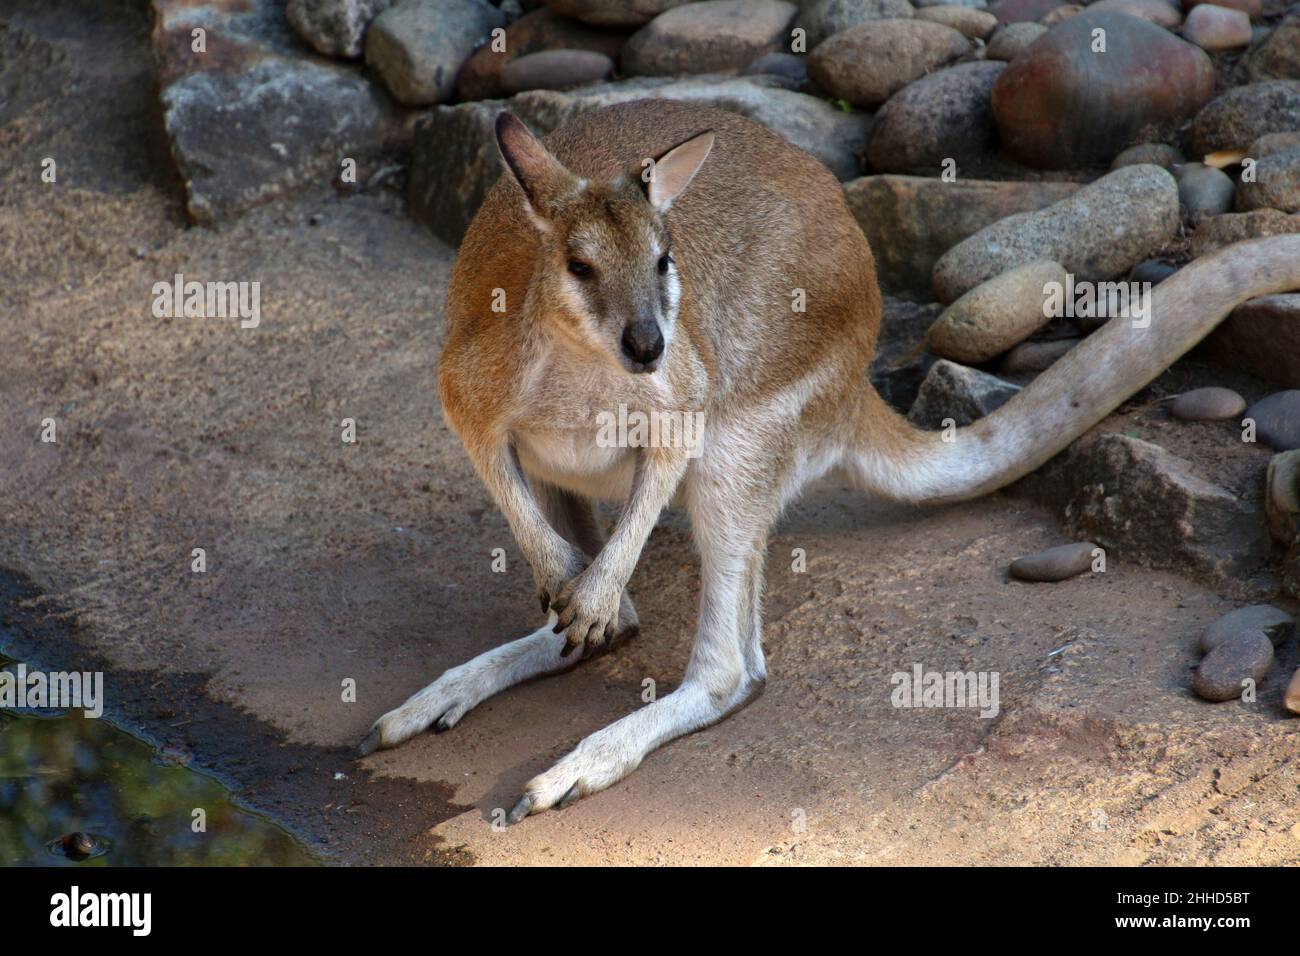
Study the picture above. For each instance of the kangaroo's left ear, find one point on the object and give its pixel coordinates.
(673, 171)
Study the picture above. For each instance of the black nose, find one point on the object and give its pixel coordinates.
(643, 342)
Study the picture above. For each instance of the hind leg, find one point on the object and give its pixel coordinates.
(444, 702)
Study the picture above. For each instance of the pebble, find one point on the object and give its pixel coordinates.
(1204, 190)
(1291, 700)
(555, 70)
(976, 24)
(1154, 154)
(1277, 420)
(1160, 12)
(1243, 114)
(1276, 184)
(868, 63)
(995, 315)
(1054, 564)
(1012, 39)
(1210, 404)
(1274, 623)
(712, 36)
(1217, 28)
(823, 18)
(1154, 271)
(1031, 357)
(1246, 655)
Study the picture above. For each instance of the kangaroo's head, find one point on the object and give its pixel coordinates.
(605, 276)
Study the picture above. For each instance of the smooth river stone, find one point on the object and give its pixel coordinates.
(1274, 623)
(1277, 420)
(1219, 676)
(1054, 564)
(1208, 404)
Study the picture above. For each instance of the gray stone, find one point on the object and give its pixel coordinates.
(1013, 39)
(1097, 233)
(1276, 184)
(613, 13)
(1277, 420)
(334, 27)
(952, 391)
(790, 69)
(911, 221)
(1222, 675)
(1017, 11)
(1055, 564)
(1282, 498)
(1147, 504)
(1160, 12)
(1204, 190)
(1217, 28)
(713, 36)
(1271, 143)
(1274, 623)
(1215, 232)
(1242, 115)
(1154, 271)
(976, 24)
(455, 158)
(1208, 404)
(555, 70)
(1262, 338)
(946, 115)
(1029, 358)
(867, 64)
(823, 18)
(417, 47)
(1278, 57)
(1153, 154)
(996, 315)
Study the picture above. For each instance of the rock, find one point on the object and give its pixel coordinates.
(1207, 404)
(1017, 11)
(1282, 498)
(1134, 497)
(911, 221)
(334, 27)
(709, 37)
(555, 70)
(1245, 113)
(952, 391)
(1013, 39)
(417, 47)
(823, 18)
(1060, 105)
(1252, 8)
(1278, 57)
(1271, 143)
(255, 119)
(1277, 419)
(790, 69)
(946, 115)
(1030, 358)
(994, 316)
(1204, 190)
(1217, 28)
(1215, 232)
(1224, 671)
(455, 158)
(1060, 14)
(1262, 338)
(902, 363)
(1291, 699)
(1055, 564)
(1096, 233)
(1276, 184)
(972, 4)
(1155, 154)
(613, 13)
(1274, 623)
(1154, 271)
(868, 63)
(976, 24)
(1160, 12)
(543, 29)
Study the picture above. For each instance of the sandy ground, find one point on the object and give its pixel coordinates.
(372, 562)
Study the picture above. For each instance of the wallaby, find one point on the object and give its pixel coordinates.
(673, 292)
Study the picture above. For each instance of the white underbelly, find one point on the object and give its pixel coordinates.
(575, 461)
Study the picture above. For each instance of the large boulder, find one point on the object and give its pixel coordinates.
(540, 30)
(713, 36)
(911, 221)
(252, 118)
(820, 19)
(1061, 104)
(1242, 115)
(866, 64)
(1097, 233)
(946, 115)
(418, 47)
(455, 158)
(334, 27)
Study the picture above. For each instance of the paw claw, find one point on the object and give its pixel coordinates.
(441, 726)
(373, 741)
(521, 810)
(570, 796)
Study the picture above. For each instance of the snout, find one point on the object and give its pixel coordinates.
(643, 344)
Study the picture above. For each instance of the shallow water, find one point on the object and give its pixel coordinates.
(63, 774)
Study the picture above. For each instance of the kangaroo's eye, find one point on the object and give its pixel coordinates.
(579, 269)
(664, 262)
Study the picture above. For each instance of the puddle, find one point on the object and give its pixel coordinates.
(78, 791)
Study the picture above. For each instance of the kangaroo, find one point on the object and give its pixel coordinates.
(650, 255)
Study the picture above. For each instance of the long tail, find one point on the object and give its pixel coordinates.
(896, 459)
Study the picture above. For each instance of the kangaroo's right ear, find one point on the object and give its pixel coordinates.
(543, 177)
